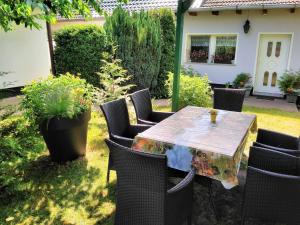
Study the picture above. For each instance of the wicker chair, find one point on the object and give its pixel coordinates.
(274, 161)
(143, 108)
(119, 128)
(272, 190)
(278, 142)
(142, 194)
(229, 99)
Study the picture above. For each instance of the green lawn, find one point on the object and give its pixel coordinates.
(76, 193)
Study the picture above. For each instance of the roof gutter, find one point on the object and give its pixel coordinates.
(245, 7)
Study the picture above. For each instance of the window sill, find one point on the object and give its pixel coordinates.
(210, 64)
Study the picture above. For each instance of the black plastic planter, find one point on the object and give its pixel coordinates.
(66, 138)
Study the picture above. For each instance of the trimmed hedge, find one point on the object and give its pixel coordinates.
(80, 49)
(167, 24)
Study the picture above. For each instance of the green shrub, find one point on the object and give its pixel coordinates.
(114, 81)
(241, 80)
(167, 24)
(138, 38)
(289, 81)
(20, 141)
(63, 97)
(80, 49)
(194, 90)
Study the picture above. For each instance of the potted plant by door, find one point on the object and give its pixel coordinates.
(291, 95)
(243, 80)
(289, 84)
(60, 107)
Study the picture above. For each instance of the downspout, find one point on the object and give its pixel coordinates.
(183, 6)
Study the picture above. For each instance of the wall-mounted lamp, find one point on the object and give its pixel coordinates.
(247, 26)
(265, 12)
(238, 11)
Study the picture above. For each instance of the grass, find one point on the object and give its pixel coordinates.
(76, 193)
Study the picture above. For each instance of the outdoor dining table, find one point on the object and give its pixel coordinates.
(191, 140)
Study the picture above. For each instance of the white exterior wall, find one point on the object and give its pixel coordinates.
(24, 53)
(228, 22)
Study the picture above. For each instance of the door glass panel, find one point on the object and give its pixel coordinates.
(269, 50)
(274, 79)
(266, 78)
(278, 49)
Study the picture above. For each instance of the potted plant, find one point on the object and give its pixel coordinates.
(243, 80)
(60, 107)
(289, 82)
(291, 95)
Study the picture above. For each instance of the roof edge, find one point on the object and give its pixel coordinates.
(249, 7)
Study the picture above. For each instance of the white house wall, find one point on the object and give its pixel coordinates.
(228, 22)
(24, 53)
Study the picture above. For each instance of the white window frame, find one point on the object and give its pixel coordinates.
(212, 46)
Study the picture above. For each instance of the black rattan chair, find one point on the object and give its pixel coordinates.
(143, 108)
(274, 161)
(272, 191)
(119, 128)
(143, 197)
(278, 142)
(229, 99)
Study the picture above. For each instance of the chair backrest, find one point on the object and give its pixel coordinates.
(272, 197)
(229, 99)
(142, 103)
(274, 161)
(141, 186)
(283, 150)
(116, 115)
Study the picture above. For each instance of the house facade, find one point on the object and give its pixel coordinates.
(24, 56)
(225, 38)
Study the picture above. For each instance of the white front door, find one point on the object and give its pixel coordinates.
(272, 62)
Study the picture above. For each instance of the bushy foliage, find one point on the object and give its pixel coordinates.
(167, 24)
(194, 90)
(114, 80)
(289, 81)
(32, 12)
(19, 142)
(80, 49)
(138, 38)
(65, 96)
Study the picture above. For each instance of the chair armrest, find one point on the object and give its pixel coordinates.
(160, 116)
(277, 139)
(283, 150)
(180, 199)
(139, 128)
(127, 142)
(187, 181)
(146, 122)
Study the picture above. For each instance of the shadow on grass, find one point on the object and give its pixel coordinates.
(61, 194)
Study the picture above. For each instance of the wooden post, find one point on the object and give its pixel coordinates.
(51, 49)
(183, 6)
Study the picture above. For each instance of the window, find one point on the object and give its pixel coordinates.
(278, 48)
(266, 78)
(270, 48)
(274, 79)
(199, 49)
(218, 49)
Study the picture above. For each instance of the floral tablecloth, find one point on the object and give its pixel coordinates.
(189, 139)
